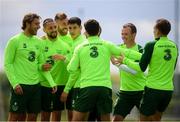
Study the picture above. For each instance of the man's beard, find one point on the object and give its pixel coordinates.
(52, 36)
(32, 32)
(63, 31)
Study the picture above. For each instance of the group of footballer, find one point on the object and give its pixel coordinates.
(68, 69)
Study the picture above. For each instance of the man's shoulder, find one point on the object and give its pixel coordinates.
(151, 43)
(16, 38)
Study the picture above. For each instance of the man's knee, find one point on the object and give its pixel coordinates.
(79, 116)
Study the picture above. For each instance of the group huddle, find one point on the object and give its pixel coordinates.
(65, 69)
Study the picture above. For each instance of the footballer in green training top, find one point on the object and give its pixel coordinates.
(161, 58)
(131, 84)
(74, 24)
(62, 23)
(93, 59)
(54, 51)
(58, 54)
(23, 62)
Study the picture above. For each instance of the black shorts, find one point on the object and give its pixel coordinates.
(75, 93)
(57, 104)
(29, 101)
(94, 97)
(126, 101)
(46, 99)
(155, 100)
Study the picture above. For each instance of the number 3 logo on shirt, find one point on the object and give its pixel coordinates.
(94, 52)
(31, 56)
(167, 55)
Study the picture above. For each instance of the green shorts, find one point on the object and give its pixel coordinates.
(94, 116)
(75, 92)
(57, 104)
(126, 101)
(94, 97)
(29, 101)
(46, 99)
(154, 100)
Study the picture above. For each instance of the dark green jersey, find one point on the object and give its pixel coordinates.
(161, 56)
(132, 82)
(23, 59)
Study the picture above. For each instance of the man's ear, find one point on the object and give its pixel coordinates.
(134, 35)
(86, 34)
(27, 24)
(44, 30)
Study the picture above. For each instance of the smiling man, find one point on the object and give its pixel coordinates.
(57, 53)
(62, 23)
(22, 64)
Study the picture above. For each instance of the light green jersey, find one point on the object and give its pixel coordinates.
(23, 59)
(161, 57)
(59, 71)
(80, 39)
(93, 59)
(132, 82)
(66, 38)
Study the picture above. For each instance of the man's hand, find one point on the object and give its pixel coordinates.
(64, 96)
(18, 90)
(120, 59)
(46, 67)
(114, 61)
(54, 89)
(58, 57)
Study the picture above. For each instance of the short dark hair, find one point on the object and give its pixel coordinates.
(28, 18)
(163, 26)
(60, 16)
(74, 20)
(47, 21)
(92, 27)
(132, 26)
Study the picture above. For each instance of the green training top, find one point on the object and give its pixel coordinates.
(76, 42)
(67, 39)
(132, 82)
(161, 56)
(23, 59)
(93, 59)
(80, 39)
(58, 71)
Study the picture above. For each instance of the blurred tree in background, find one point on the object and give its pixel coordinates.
(4, 96)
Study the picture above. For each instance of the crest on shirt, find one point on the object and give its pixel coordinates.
(24, 45)
(46, 49)
(68, 51)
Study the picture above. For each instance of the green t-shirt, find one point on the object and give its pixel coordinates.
(67, 39)
(59, 70)
(132, 82)
(93, 59)
(161, 57)
(23, 59)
